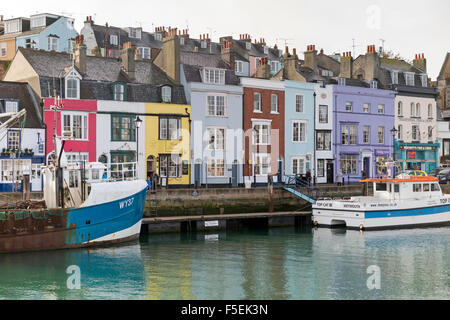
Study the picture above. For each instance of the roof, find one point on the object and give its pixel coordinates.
(100, 73)
(445, 67)
(203, 60)
(28, 100)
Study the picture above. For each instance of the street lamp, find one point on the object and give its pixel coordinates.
(138, 123)
(394, 132)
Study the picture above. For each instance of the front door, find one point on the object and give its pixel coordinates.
(234, 179)
(367, 167)
(197, 174)
(330, 172)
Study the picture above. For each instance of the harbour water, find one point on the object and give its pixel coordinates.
(280, 264)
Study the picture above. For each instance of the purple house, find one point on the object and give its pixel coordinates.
(363, 117)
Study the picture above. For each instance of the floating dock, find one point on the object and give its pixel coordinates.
(225, 222)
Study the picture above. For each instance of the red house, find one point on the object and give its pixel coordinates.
(77, 117)
(263, 120)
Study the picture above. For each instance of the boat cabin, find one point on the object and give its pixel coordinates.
(405, 188)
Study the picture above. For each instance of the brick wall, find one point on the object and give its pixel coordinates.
(277, 126)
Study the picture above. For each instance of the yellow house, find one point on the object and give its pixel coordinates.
(167, 143)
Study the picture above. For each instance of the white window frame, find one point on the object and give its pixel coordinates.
(274, 105)
(368, 108)
(300, 123)
(364, 135)
(12, 26)
(166, 94)
(11, 104)
(382, 109)
(119, 92)
(134, 32)
(182, 41)
(415, 132)
(84, 124)
(215, 132)
(394, 75)
(213, 166)
(213, 76)
(14, 136)
(248, 45)
(400, 109)
(274, 66)
(347, 105)
(322, 106)
(113, 39)
(409, 78)
(424, 79)
(299, 103)
(430, 111)
(381, 135)
(400, 132)
(418, 110)
(213, 104)
(69, 91)
(52, 43)
(145, 53)
(257, 103)
(261, 156)
(3, 49)
(261, 136)
(239, 66)
(297, 168)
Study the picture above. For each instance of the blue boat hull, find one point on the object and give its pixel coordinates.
(112, 222)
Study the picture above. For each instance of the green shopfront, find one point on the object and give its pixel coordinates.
(417, 156)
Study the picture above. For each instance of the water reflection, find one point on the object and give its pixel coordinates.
(270, 264)
(106, 273)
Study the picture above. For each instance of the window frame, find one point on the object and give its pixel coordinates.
(299, 103)
(257, 102)
(216, 105)
(84, 124)
(321, 113)
(216, 146)
(274, 104)
(132, 129)
(168, 135)
(300, 124)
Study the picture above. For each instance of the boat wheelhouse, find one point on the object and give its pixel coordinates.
(404, 202)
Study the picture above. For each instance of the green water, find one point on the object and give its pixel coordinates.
(269, 264)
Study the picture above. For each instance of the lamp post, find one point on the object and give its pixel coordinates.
(138, 123)
(394, 132)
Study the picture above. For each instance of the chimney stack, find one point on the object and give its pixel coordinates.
(311, 57)
(290, 66)
(346, 65)
(227, 53)
(372, 62)
(79, 54)
(169, 57)
(127, 57)
(263, 70)
(420, 62)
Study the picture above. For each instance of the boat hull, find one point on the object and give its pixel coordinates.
(107, 223)
(380, 220)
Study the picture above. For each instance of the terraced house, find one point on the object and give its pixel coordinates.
(103, 104)
(42, 31)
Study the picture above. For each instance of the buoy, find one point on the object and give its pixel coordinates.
(361, 227)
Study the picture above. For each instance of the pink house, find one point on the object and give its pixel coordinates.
(77, 117)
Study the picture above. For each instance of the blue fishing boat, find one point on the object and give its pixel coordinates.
(84, 205)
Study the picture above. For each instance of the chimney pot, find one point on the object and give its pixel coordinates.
(294, 51)
(287, 49)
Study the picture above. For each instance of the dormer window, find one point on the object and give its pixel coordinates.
(274, 66)
(374, 84)
(248, 45)
(113, 40)
(119, 91)
(394, 75)
(144, 53)
(409, 78)
(266, 50)
(11, 106)
(38, 22)
(13, 26)
(135, 33)
(341, 81)
(204, 44)
(72, 88)
(158, 36)
(239, 66)
(182, 41)
(166, 94)
(424, 78)
(214, 76)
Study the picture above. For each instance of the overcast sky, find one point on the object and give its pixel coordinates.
(407, 26)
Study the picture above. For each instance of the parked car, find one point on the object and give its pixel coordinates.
(435, 172)
(444, 176)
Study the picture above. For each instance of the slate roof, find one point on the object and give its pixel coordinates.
(445, 66)
(28, 100)
(100, 74)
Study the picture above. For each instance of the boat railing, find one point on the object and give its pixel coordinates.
(101, 172)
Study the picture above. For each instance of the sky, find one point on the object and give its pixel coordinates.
(406, 27)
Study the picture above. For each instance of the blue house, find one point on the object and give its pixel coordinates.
(299, 127)
(49, 32)
(213, 91)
